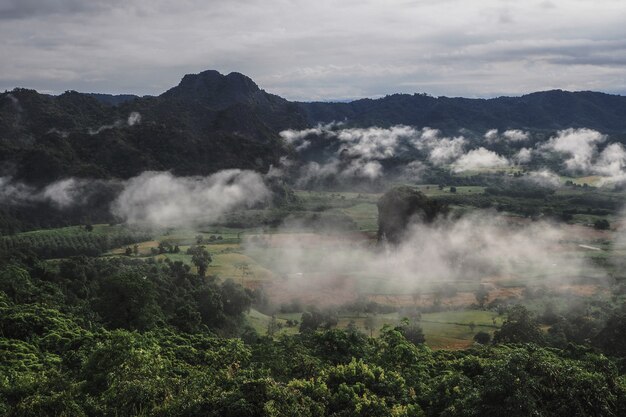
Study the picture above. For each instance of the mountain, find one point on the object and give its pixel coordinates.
(112, 99)
(547, 110)
(211, 121)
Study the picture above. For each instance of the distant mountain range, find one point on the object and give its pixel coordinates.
(211, 121)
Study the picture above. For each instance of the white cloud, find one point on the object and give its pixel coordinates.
(441, 150)
(544, 177)
(359, 149)
(611, 164)
(578, 145)
(64, 193)
(133, 119)
(524, 156)
(374, 142)
(471, 248)
(298, 138)
(480, 158)
(516, 135)
(491, 135)
(159, 199)
(511, 135)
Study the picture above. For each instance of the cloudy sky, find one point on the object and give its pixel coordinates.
(317, 50)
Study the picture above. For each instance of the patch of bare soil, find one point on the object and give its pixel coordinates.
(312, 289)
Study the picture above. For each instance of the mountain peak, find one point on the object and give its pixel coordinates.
(216, 89)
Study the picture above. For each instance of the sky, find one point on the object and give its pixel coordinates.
(316, 50)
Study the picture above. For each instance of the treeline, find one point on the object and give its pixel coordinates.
(129, 293)
(63, 243)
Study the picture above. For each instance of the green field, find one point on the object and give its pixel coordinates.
(244, 255)
(443, 330)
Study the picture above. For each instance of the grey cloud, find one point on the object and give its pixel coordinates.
(20, 9)
(315, 50)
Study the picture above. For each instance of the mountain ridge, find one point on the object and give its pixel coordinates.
(211, 121)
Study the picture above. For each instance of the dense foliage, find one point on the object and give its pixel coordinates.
(121, 337)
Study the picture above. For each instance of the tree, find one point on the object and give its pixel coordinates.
(235, 299)
(16, 283)
(400, 206)
(201, 258)
(519, 327)
(481, 294)
(412, 331)
(453, 190)
(602, 224)
(482, 338)
(272, 326)
(370, 324)
(312, 320)
(128, 300)
(611, 339)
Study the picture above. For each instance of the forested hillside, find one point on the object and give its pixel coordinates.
(212, 121)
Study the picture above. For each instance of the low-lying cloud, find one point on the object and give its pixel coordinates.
(62, 194)
(544, 178)
(441, 150)
(582, 156)
(134, 118)
(159, 199)
(472, 249)
(578, 146)
(511, 135)
(362, 152)
(358, 150)
(151, 199)
(480, 158)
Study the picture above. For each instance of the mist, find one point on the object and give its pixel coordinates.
(480, 158)
(62, 194)
(475, 249)
(134, 118)
(365, 153)
(160, 200)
